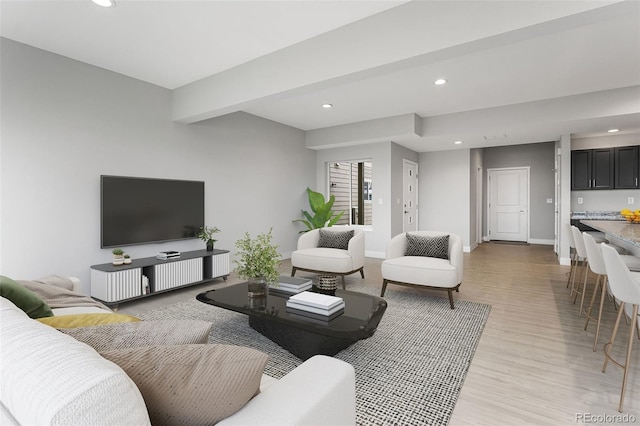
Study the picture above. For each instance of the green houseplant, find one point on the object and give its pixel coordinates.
(118, 258)
(206, 234)
(257, 260)
(323, 216)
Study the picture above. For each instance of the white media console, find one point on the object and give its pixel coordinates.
(145, 277)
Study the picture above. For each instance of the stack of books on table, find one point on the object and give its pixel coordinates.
(291, 285)
(315, 305)
(166, 255)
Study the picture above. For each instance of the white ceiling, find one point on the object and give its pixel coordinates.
(518, 71)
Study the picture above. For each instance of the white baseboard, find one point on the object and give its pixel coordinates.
(531, 241)
(375, 254)
(543, 242)
(566, 261)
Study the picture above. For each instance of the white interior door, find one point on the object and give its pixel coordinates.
(509, 204)
(410, 196)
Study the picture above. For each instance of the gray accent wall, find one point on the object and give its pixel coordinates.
(64, 123)
(540, 158)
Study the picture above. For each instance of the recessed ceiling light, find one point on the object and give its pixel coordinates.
(440, 82)
(105, 3)
(327, 105)
(457, 142)
(613, 130)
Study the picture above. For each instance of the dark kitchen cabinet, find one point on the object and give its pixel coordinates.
(592, 169)
(581, 169)
(627, 167)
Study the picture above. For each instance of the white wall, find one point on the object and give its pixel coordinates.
(444, 192)
(476, 173)
(564, 145)
(64, 123)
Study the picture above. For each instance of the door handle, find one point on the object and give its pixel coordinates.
(406, 211)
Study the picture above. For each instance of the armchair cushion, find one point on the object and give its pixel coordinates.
(428, 246)
(192, 384)
(421, 270)
(311, 257)
(333, 239)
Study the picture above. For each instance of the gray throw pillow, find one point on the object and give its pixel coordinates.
(192, 384)
(427, 246)
(109, 337)
(335, 239)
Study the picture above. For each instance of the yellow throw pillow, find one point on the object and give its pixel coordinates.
(86, 320)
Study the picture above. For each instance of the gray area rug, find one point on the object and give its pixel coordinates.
(409, 373)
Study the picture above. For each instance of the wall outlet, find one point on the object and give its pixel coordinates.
(580, 200)
(630, 200)
(549, 200)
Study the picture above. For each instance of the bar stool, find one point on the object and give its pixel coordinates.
(573, 261)
(596, 264)
(581, 255)
(625, 286)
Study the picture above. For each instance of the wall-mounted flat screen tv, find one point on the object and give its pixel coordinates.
(143, 210)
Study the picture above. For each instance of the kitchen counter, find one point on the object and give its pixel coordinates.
(597, 215)
(624, 231)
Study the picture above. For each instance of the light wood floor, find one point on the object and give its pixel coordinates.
(534, 363)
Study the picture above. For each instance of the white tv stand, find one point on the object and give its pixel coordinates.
(112, 284)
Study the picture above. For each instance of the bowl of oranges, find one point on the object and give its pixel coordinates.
(631, 216)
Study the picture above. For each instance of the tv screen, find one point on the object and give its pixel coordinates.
(143, 210)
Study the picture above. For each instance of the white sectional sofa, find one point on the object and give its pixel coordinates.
(50, 378)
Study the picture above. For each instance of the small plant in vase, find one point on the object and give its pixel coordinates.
(206, 234)
(127, 259)
(257, 260)
(118, 256)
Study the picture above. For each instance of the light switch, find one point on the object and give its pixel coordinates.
(580, 200)
(630, 200)
(549, 200)
(380, 201)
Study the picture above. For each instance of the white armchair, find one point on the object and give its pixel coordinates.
(431, 272)
(309, 257)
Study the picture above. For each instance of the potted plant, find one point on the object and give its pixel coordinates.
(206, 234)
(257, 260)
(118, 258)
(323, 216)
(127, 259)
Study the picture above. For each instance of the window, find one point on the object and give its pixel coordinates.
(351, 183)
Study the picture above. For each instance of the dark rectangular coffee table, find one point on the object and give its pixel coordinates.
(303, 337)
